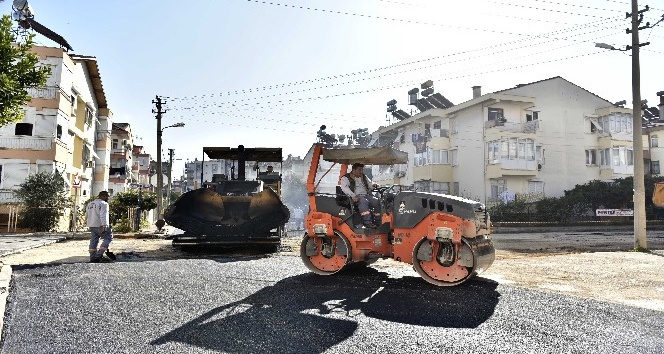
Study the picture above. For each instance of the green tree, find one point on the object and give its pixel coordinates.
(121, 202)
(44, 196)
(19, 71)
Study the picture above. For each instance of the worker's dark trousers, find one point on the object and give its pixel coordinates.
(366, 204)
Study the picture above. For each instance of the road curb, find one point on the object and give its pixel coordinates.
(5, 279)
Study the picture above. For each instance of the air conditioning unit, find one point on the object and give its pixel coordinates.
(400, 174)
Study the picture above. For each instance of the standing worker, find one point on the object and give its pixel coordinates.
(97, 221)
(298, 215)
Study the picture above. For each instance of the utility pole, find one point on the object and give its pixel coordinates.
(170, 170)
(639, 184)
(160, 176)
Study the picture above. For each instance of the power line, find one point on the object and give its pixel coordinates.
(309, 99)
(271, 87)
(385, 75)
(407, 21)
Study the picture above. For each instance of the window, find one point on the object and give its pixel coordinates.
(436, 125)
(532, 116)
(495, 114)
(73, 103)
(115, 144)
(58, 132)
(439, 157)
(654, 167)
(530, 150)
(455, 190)
(593, 128)
(591, 157)
(453, 126)
(630, 157)
(440, 187)
(654, 142)
(427, 130)
(23, 129)
(615, 156)
(455, 160)
(535, 187)
(494, 151)
(1, 176)
(89, 117)
(497, 188)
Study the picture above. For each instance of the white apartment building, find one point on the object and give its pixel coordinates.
(193, 170)
(537, 139)
(62, 130)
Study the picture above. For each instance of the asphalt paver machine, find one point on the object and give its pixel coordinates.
(233, 210)
(446, 238)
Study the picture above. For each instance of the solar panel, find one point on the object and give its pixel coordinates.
(425, 104)
(651, 112)
(441, 100)
(400, 115)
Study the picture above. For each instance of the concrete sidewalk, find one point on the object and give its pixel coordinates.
(15, 243)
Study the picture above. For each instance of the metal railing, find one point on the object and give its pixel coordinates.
(48, 93)
(528, 127)
(25, 143)
(8, 196)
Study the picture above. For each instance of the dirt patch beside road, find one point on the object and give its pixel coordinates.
(572, 264)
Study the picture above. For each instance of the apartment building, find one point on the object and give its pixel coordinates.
(62, 131)
(141, 166)
(534, 140)
(653, 142)
(120, 171)
(193, 170)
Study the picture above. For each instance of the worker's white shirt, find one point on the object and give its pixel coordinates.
(360, 189)
(97, 213)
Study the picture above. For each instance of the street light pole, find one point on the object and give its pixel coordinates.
(160, 176)
(170, 169)
(639, 184)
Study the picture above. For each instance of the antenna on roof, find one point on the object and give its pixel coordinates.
(25, 18)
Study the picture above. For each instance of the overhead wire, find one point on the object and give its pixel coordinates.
(379, 76)
(309, 99)
(357, 73)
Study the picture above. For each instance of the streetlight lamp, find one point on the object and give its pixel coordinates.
(160, 172)
(640, 241)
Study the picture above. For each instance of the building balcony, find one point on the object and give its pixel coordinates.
(514, 167)
(503, 126)
(48, 93)
(8, 196)
(26, 143)
(611, 172)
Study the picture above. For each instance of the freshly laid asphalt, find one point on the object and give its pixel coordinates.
(273, 305)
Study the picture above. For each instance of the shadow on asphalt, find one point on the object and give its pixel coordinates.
(309, 313)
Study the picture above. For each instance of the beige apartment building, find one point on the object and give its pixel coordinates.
(533, 140)
(64, 130)
(121, 173)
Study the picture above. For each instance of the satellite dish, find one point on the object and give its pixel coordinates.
(25, 18)
(342, 137)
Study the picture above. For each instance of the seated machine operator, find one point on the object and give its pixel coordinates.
(357, 186)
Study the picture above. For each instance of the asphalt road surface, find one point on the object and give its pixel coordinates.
(243, 304)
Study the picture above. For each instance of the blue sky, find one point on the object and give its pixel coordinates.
(259, 74)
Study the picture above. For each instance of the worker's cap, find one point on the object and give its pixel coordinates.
(356, 165)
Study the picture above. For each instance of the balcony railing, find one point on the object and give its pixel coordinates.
(25, 143)
(528, 127)
(48, 93)
(8, 196)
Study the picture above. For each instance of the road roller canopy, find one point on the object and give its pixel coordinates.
(246, 154)
(367, 156)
